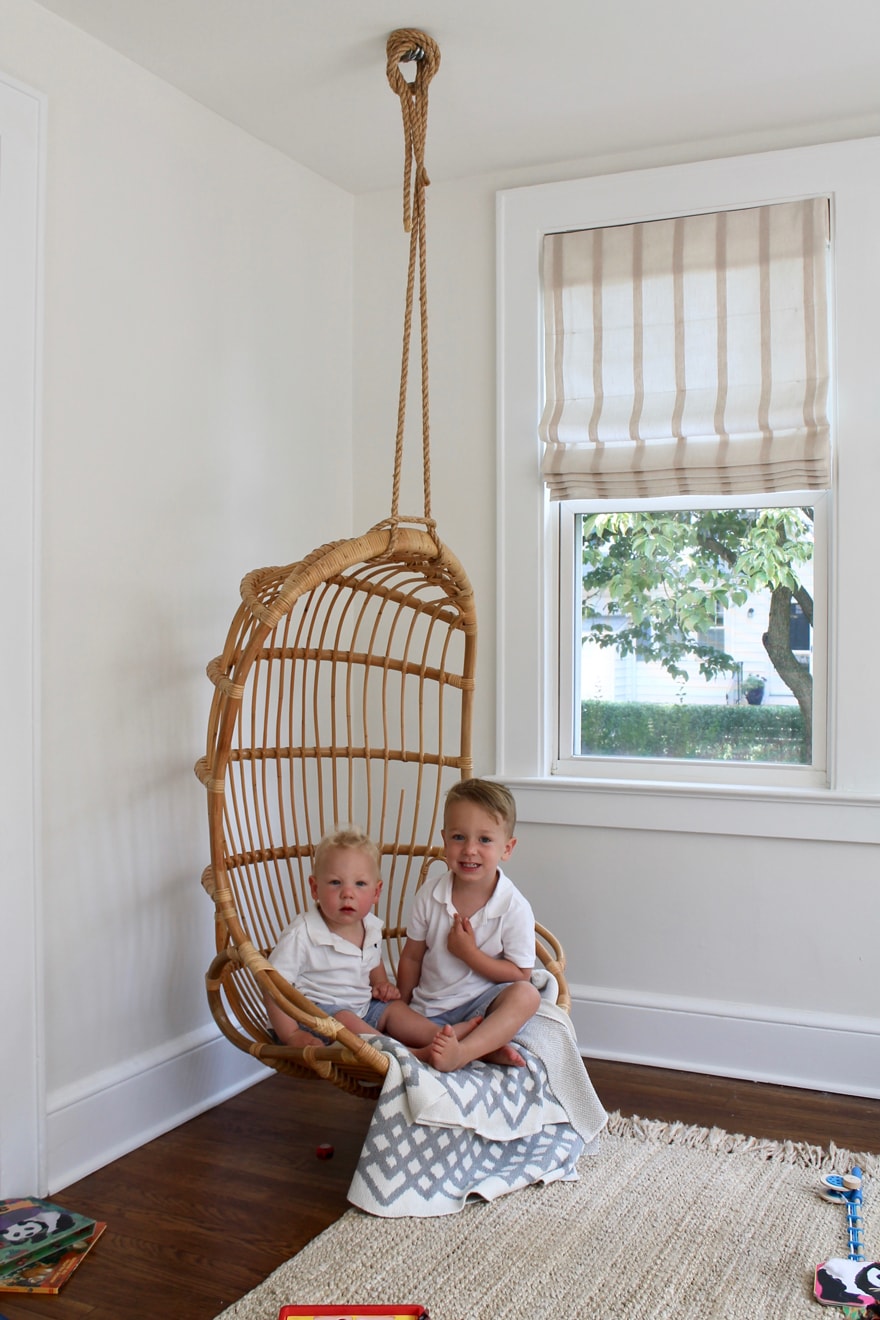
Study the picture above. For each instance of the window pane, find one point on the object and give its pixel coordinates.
(695, 634)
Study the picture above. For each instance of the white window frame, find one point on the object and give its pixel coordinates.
(848, 173)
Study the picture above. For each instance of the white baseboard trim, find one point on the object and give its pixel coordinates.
(99, 1121)
(817, 1051)
(94, 1123)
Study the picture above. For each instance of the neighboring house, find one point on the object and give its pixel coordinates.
(608, 676)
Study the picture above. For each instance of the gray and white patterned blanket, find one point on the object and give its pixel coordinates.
(438, 1138)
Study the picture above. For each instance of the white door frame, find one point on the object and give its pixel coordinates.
(23, 1103)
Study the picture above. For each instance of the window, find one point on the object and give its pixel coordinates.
(664, 614)
(537, 535)
(687, 356)
(713, 635)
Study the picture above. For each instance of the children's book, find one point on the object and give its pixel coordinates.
(31, 1229)
(50, 1275)
(353, 1313)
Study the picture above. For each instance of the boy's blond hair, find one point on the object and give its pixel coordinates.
(346, 836)
(496, 799)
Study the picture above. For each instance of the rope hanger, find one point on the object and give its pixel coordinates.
(406, 45)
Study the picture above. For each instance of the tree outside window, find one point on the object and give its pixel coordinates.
(697, 608)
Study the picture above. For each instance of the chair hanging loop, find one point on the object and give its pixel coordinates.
(404, 46)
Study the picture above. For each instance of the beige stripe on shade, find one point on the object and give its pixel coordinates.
(688, 355)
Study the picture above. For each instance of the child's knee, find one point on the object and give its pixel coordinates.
(526, 997)
(522, 994)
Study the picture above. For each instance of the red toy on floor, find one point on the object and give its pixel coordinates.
(353, 1313)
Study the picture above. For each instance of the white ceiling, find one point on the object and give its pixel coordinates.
(521, 82)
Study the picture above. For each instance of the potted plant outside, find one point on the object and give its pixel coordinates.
(753, 687)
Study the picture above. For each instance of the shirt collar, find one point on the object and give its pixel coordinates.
(321, 933)
(497, 902)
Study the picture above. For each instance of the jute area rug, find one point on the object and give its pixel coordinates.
(664, 1221)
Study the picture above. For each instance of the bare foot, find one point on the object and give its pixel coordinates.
(505, 1054)
(463, 1029)
(423, 1052)
(445, 1052)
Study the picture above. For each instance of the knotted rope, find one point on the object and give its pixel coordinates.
(405, 45)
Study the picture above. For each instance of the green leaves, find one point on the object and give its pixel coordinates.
(667, 577)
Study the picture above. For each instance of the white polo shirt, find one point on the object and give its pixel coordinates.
(504, 927)
(326, 968)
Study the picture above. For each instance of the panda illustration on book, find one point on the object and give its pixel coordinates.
(43, 1224)
(841, 1282)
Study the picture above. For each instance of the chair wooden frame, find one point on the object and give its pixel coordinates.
(344, 693)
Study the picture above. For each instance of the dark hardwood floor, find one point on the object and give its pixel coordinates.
(198, 1217)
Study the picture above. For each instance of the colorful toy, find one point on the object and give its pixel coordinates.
(353, 1313)
(850, 1283)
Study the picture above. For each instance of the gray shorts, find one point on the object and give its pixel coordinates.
(375, 1009)
(477, 1007)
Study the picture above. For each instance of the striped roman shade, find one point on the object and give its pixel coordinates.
(688, 355)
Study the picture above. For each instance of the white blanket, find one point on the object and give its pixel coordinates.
(437, 1138)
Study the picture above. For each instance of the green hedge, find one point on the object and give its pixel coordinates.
(706, 733)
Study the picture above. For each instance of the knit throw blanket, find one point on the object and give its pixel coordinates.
(438, 1138)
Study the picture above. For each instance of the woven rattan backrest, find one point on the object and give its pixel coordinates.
(343, 695)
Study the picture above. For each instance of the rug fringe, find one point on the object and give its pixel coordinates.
(719, 1142)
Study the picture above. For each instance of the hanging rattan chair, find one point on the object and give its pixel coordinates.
(344, 693)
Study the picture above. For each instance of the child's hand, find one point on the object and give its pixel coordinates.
(461, 941)
(385, 991)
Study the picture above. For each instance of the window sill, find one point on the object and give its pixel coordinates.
(749, 811)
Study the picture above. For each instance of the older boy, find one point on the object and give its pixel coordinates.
(470, 945)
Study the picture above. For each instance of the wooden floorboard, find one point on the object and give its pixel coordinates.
(201, 1215)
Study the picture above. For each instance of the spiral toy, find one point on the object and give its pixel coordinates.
(850, 1282)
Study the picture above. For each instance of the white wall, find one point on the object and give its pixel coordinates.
(699, 937)
(197, 321)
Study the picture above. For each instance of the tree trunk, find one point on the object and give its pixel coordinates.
(777, 644)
